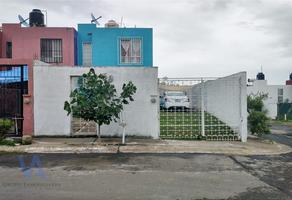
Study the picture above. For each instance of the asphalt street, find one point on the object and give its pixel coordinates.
(148, 176)
(281, 134)
(145, 176)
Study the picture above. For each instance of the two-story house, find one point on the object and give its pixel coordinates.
(20, 44)
(114, 46)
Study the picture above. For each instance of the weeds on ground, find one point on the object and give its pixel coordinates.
(7, 142)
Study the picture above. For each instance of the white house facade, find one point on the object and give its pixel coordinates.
(276, 94)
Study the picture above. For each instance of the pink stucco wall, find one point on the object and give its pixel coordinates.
(25, 49)
(28, 121)
(0, 42)
(26, 41)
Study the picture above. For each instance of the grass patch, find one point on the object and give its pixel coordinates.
(187, 126)
(282, 122)
(7, 142)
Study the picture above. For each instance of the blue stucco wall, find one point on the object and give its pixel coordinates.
(105, 44)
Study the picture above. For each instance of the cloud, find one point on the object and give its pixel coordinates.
(191, 37)
(277, 22)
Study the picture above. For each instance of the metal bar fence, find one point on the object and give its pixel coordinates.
(188, 109)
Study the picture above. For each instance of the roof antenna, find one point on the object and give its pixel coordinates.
(261, 68)
(22, 21)
(121, 25)
(94, 20)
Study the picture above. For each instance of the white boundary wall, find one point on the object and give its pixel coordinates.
(52, 86)
(224, 98)
(271, 103)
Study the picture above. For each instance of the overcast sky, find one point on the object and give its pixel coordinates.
(192, 38)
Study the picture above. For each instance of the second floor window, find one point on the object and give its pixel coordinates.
(51, 50)
(8, 49)
(280, 95)
(87, 54)
(130, 51)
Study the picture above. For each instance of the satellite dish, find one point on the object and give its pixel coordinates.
(94, 20)
(23, 21)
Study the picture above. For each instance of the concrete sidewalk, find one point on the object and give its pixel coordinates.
(254, 146)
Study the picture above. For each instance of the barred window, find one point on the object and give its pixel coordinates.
(51, 50)
(130, 51)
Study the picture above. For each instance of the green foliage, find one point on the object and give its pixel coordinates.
(97, 100)
(256, 102)
(284, 109)
(258, 121)
(7, 142)
(5, 126)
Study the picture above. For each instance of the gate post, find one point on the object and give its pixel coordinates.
(202, 108)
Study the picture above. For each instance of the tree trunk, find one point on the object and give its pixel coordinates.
(99, 137)
(98, 132)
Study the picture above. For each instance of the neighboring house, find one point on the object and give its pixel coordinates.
(114, 46)
(276, 93)
(54, 45)
(19, 46)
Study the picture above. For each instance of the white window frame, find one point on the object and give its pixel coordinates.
(90, 56)
(280, 95)
(132, 58)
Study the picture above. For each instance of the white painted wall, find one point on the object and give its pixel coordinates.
(225, 98)
(261, 86)
(52, 86)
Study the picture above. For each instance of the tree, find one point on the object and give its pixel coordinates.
(258, 121)
(96, 99)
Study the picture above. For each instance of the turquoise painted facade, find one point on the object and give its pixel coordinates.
(106, 45)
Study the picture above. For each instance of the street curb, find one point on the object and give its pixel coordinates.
(159, 149)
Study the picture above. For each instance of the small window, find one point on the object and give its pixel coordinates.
(280, 95)
(280, 99)
(130, 51)
(76, 82)
(87, 54)
(8, 49)
(51, 50)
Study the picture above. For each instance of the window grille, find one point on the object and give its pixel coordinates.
(51, 50)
